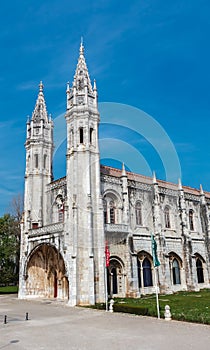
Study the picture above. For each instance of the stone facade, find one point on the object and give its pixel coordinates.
(67, 222)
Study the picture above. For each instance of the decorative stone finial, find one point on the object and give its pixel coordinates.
(94, 85)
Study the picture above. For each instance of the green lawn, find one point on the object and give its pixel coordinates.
(186, 306)
(8, 289)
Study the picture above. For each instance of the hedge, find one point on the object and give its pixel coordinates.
(130, 309)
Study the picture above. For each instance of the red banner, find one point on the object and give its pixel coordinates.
(107, 254)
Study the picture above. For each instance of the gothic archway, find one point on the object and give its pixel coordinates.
(45, 273)
(115, 280)
(145, 270)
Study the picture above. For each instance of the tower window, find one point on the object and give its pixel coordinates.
(91, 135)
(81, 135)
(36, 160)
(138, 214)
(191, 220)
(167, 217)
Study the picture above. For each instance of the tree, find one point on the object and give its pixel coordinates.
(9, 246)
(10, 242)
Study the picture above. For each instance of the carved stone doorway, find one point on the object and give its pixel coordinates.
(46, 274)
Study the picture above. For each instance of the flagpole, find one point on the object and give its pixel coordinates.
(156, 263)
(106, 291)
(107, 260)
(156, 291)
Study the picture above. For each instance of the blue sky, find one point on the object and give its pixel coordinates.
(152, 55)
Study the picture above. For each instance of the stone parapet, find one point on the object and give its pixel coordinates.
(116, 228)
(53, 228)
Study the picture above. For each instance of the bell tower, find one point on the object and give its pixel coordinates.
(85, 223)
(38, 173)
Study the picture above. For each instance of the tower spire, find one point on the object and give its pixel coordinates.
(81, 77)
(40, 110)
(82, 92)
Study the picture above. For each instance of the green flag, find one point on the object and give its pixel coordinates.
(156, 262)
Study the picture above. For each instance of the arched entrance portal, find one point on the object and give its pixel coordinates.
(46, 274)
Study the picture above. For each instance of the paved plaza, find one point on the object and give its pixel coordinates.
(54, 325)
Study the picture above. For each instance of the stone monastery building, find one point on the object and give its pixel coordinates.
(67, 221)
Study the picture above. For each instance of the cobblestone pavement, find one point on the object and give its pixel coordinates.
(54, 325)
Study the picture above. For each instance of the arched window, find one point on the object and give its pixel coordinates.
(147, 273)
(176, 272)
(167, 217)
(60, 215)
(105, 212)
(138, 213)
(191, 220)
(199, 268)
(112, 212)
(58, 209)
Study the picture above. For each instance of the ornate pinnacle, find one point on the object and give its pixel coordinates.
(123, 169)
(180, 184)
(41, 86)
(94, 85)
(81, 50)
(154, 180)
(201, 190)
